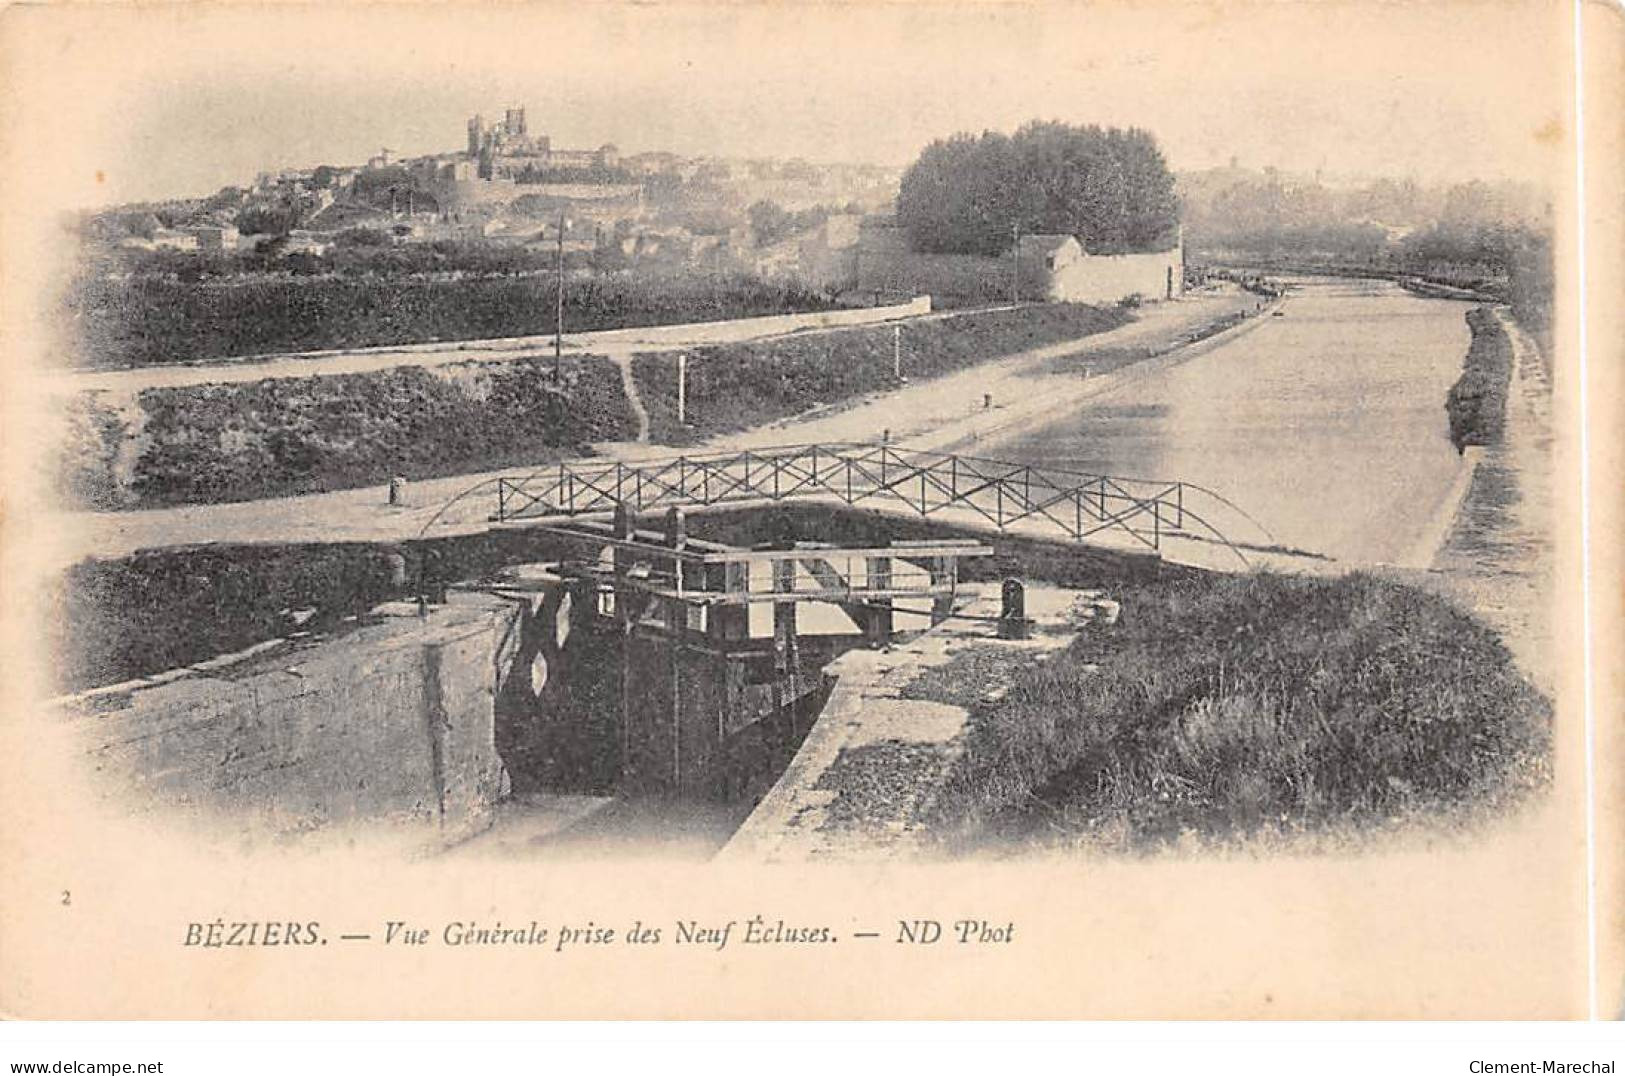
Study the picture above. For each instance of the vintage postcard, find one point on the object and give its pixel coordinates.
(811, 510)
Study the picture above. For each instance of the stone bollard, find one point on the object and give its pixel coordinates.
(397, 571)
(397, 491)
(432, 590)
(1013, 622)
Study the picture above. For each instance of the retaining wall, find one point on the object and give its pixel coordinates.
(390, 725)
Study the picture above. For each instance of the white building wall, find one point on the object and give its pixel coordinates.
(1108, 278)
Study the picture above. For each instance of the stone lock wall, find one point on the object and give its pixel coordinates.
(389, 725)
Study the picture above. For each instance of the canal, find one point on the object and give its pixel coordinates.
(1326, 422)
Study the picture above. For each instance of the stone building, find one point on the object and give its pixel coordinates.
(506, 149)
(1048, 268)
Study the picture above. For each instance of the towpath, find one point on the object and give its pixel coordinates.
(936, 413)
(1498, 558)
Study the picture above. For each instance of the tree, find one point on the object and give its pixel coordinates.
(1109, 187)
(142, 225)
(277, 219)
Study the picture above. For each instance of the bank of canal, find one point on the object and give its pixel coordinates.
(1497, 558)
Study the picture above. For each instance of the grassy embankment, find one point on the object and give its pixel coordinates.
(1105, 360)
(118, 618)
(1477, 401)
(1219, 709)
(733, 387)
(1252, 708)
(204, 444)
(210, 443)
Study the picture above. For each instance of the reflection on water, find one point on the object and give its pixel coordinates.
(1327, 423)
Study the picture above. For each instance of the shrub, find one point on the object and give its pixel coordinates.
(1476, 403)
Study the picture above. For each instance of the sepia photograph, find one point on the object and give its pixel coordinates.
(806, 484)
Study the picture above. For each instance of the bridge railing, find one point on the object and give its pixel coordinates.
(1076, 505)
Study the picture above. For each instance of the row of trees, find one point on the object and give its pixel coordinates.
(1108, 186)
(1518, 256)
(1495, 237)
(1267, 213)
(582, 174)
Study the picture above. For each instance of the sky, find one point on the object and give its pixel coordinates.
(115, 105)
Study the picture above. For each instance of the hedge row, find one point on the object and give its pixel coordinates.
(736, 386)
(239, 441)
(150, 320)
(1477, 401)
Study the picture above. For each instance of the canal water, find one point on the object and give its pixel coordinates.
(1326, 423)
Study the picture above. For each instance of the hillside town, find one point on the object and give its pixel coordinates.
(512, 187)
(509, 200)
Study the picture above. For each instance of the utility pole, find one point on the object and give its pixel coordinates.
(682, 387)
(897, 352)
(1015, 263)
(558, 321)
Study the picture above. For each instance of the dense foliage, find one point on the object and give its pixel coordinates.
(124, 617)
(1477, 401)
(1518, 255)
(771, 222)
(1493, 238)
(582, 174)
(147, 318)
(1107, 186)
(243, 440)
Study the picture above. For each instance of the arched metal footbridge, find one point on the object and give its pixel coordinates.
(967, 490)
